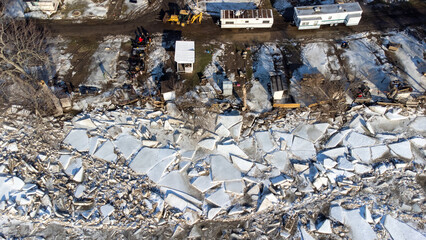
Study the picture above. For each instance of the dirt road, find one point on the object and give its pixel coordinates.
(372, 20)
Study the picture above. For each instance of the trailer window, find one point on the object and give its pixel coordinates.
(330, 17)
(247, 21)
(266, 21)
(229, 22)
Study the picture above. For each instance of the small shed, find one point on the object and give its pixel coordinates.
(185, 56)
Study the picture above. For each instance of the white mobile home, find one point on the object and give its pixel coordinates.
(48, 6)
(185, 56)
(256, 18)
(312, 17)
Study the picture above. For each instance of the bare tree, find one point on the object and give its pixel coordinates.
(23, 58)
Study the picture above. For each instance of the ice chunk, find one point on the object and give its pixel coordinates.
(177, 202)
(106, 210)
(78, 177)
(156, 172)
(399, 230)
(332, 153)
(84, 122)
(378, 151)
(213, 212)
(356, 140)
(418, 142)
(264, 140)
(337, 138)
(358, 124)
(9, 185)
(177, 181)
(361, 169)
(302, 148)
(311, 132)
(147, 158)
(267, 202)
(220, 198)
(243, 165)
(74, 166)
(236, 187)
(106, 152)
(64, 160)
(127, 145)
(329, 163)
(419, 124)
(305, 234)
(363, 154)
(93, 144)
(345, 164)
(279, 159)
(78, 139)
(79, 191)
(233, 123)
(358, 227)
(402, 149)
(324, 227)
(208, 143)
(222, 131)
(222, 169)
(230, 149)
(204, 183)
(392, 115)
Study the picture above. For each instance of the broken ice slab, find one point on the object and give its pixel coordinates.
(9, 185)
(329, 163)
(233, 123)
(281, 180)
(353, 219)
(156, 172)
(147, 158)
(213, 212)
(78, 139)
(242, 164)
(361, 168)
(106, 152)
(302, 148)
(222, 131)
(356, 140)
(220, 198)
(345, 164)
(332, 153)
(79, 191)
(64, 160)
(106, 210)
(230, 149)
(222, 169)
(337, 138)
(279, 159)
(311, 132)
(84, 122)
(305, 234)
(402, 149)
(264, 141)
(324, 227)
(359, 124)
(235, 187)
(204, 183)
(268, 201)
(208, 143)
(419, 124)
(74, 166)
(418, 142)
(127, 145)
(176, 180)
(174, 200)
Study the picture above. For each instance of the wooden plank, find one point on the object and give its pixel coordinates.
(286, 105)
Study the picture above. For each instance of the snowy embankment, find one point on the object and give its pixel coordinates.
(224, 173)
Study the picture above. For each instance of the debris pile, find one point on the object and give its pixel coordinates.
(132, 164)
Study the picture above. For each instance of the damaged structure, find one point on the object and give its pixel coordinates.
(256, 18)
(312, 17)
(47, 6)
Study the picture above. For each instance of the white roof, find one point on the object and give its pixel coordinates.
(328, 9)
(185, 52)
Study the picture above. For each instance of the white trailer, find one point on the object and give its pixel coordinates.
(256, 18)
(312, 17)
(185, 56)
(47, 6)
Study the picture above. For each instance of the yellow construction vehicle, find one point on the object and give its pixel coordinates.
(184, 18)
